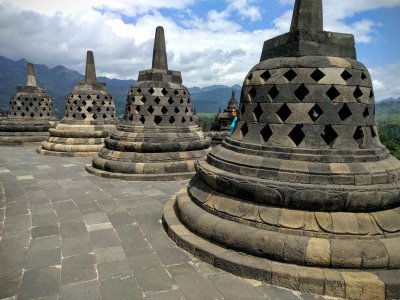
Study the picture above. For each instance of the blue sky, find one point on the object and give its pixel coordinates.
(210, 41)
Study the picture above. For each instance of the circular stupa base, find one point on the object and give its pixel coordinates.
(344, 283)
(139, 177)
(26, 139)
(64, 154)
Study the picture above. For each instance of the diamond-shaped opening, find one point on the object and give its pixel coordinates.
(329, 135)
(142, 119)
(297, 135)
(27, 109)
(143, 99)
(31, 104)
(94, 116)
(32, 115)
(104, 116)
(94, 103)
(105, 97)
(332, 93)
(284, 112)
(48, 114)
(79, 109)
(164, 91)
(151, 91)
(35, 99)
(18, 98)
(266, 133)
(191, 119)
(26, 98)
(176, 110)
(176, 92)
(183, 120)
(23, 114)
(346, 75)
(181, 102)
(373, 132)
(244, 129)
(357, 93)
(371, 94)
(84, 116)
(317, 75)
(366, 112)
(290, 75)
(150, 109)
(19, 108)
(157, 119)
(137, 108)
(131, 118)
(157, 100)
(315, 113)
(265, 76)
(252, 92)
(184, 92)
(345, 112)
(41, 114)
(171, 120)
(74, 102)
(88, 97)
(186, 110)
(97, 97)
(102, 103)
(84, 103)
(250, 77)
(302, 92)
(188, 101)
(99, 109)
(89, 109)
(273, 92)
(139, 90)
(363, 76)
(164, 110)
(359, 135)
(170, 100)
(258, 112)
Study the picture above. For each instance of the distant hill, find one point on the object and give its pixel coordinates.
(59, 81)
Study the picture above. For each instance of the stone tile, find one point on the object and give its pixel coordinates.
(12, 259)
(154, 279)
(9, 283)
(120, 218)
(196, 286)
(232, 287)
(44, 219)
(99, 226)
(274, 292)
(95, 218)
(121, 289)
(172, 256)
(144, 260)
(44, 243)
(77, 274)
(42, 208)
(114, 269)
(15, 239)
(104, 238)
(72, 229)
(46, 230)
(43, 258)
(76, 245)
(25, 177)
(89, 290)
(104, 255)
(180, 269)
(165, 295)
(39, 283)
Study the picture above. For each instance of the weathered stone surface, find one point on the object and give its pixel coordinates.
(363, 285)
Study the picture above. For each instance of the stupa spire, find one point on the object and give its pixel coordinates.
(307, 14)
(159, 50)
(90, 73)
(31, 79)
(233, 95)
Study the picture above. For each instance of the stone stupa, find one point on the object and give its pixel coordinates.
(30, 115)
(303, 194)
(158, 138)
(89, 117)
(222, 124)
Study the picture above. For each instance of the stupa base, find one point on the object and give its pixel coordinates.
(139, 177)
(217, 137)
(25, 139)
(344, 283)
(64, 154)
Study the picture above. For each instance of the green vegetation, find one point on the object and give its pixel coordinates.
(205, 120)
(388, 119)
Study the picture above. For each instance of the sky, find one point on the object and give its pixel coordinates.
(209, 41)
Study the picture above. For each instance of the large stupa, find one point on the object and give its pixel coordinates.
(30, 114)
(158, 138)
(89, 117)
(303, 194)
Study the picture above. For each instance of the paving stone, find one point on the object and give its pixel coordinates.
(172, 256)
(44, 219)
(166, 295)
(12, 259)
(196, 286)
(114, 269)
(154, 279)
(76, 245)
(39, 283)
(9, 283)
(120, 288)
(73, 229)
(43, 243)
(104, 238)
(273, 292)
(89, 290)
(180, 269)
(120, 218)
(45, 230)
(95, 218)
(43, 258)
(144, 260)
(108, 254)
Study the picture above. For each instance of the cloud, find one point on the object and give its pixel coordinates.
(386, 81)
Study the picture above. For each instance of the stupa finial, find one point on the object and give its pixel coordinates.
(90, 74)
(159, 50)
(233, 95)
(31, 79)
(307, 14)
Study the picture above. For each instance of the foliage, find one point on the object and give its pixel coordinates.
(205, 120)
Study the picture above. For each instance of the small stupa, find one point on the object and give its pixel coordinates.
(223, 120)
(89, 117)
(30, 114)
(303, 194)
(158, 138)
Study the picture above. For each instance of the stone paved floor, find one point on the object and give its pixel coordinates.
(65, 234)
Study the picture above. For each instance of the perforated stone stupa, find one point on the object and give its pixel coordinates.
(222, 123)
(303, 194)
(88, 118)
(158, 139)
(30, 114)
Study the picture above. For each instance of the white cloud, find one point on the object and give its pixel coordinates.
(386, 81)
